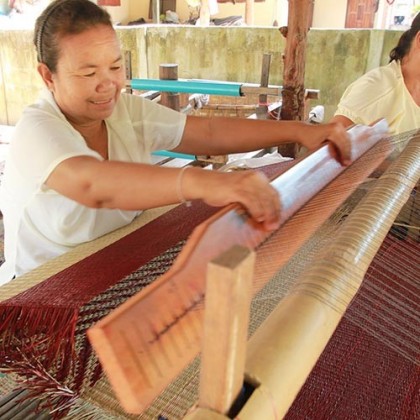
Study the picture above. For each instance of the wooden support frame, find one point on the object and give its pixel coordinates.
(293, 93)
(294, 61)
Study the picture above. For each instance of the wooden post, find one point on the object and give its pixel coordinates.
(262, 108)
(128, 70)
(293, 94)
(294, 61)
(169, 99)
(249, 12)
(226, 319)
(204, 13)
(156, 11)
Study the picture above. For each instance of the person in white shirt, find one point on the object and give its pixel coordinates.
(391, 92)
(79, 164)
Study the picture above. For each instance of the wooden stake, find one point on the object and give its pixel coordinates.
(226, 319)
(169, 99)
(262, 108)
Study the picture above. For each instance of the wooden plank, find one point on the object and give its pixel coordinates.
(226, 320)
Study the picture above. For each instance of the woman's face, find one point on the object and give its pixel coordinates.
(90, 75)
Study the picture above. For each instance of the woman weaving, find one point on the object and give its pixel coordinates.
(391, 91)
(79, 164)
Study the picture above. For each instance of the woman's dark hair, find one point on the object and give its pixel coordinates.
(404, 43)
(61, 18)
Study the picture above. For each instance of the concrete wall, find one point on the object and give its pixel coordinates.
(334, 58)
(19, 80)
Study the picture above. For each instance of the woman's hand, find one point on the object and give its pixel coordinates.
(314, 135)
(249, 188)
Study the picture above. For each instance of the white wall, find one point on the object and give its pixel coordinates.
(138, 9)
(119, 14)
(330, 14)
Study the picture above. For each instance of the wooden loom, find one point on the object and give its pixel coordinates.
(303, 221)
(141, 358)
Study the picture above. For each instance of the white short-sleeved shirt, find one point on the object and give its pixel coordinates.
(381, 93)
(41, 224)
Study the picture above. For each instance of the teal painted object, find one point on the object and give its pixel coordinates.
(167, 153)
(4, 7)
(188, 86)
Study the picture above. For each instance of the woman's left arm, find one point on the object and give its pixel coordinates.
(223, 135)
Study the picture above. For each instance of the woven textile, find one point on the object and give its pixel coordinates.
(366, 371)
(46, 325)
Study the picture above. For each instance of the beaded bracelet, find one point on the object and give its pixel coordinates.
(179, 187)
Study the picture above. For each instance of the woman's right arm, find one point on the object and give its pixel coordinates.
(133, 186)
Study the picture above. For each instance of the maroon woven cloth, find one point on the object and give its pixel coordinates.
(43, 330)
(370, 368)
